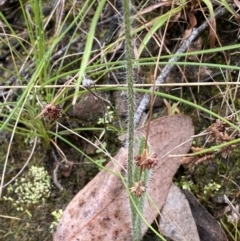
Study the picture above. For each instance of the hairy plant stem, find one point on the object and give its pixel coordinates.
(130, 83)
(136, 222)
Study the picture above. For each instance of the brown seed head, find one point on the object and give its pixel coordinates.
(138, 189)
(52, 112)
(146, 161)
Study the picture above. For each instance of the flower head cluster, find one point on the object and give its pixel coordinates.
(138, 189)
(34, 188)
(52, 112)
(146, 160)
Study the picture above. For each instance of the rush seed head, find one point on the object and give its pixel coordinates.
(52, 112)
(146, 160)
(138, 189)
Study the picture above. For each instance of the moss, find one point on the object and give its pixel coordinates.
(34, 188)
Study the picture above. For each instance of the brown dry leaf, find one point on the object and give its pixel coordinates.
(66, 168)
(101, 210)
(187, 33)
(152, 7)
(212, 33)
(192, 20)
(176, 220)
(237, 3)
(208, 227)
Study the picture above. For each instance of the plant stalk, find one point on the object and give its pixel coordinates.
(136, 223)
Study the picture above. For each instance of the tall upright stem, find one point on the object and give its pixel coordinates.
(136, 221)
(130, 82)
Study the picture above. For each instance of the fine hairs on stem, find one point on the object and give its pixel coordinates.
(136, 184)
(139, 166)
(130, 83)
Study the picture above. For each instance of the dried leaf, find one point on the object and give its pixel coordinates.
(101, 210)
(237, 3)
(176, 221)
(152, 8)
(187, 33)
(212, 33)
(192, 20)
(66, 168)
(208, 227)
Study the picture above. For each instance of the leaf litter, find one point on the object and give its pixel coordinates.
(176, 220)
(101, 210)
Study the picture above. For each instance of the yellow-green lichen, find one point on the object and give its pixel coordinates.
(31, 189)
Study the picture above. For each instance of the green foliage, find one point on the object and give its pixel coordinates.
(101, 160)
(41, 44)
(185, 184)
(108, 117)
(139, 201)
(57, 214)
(32, 189)
(211, 188)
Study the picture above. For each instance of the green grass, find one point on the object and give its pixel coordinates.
(46, 56)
